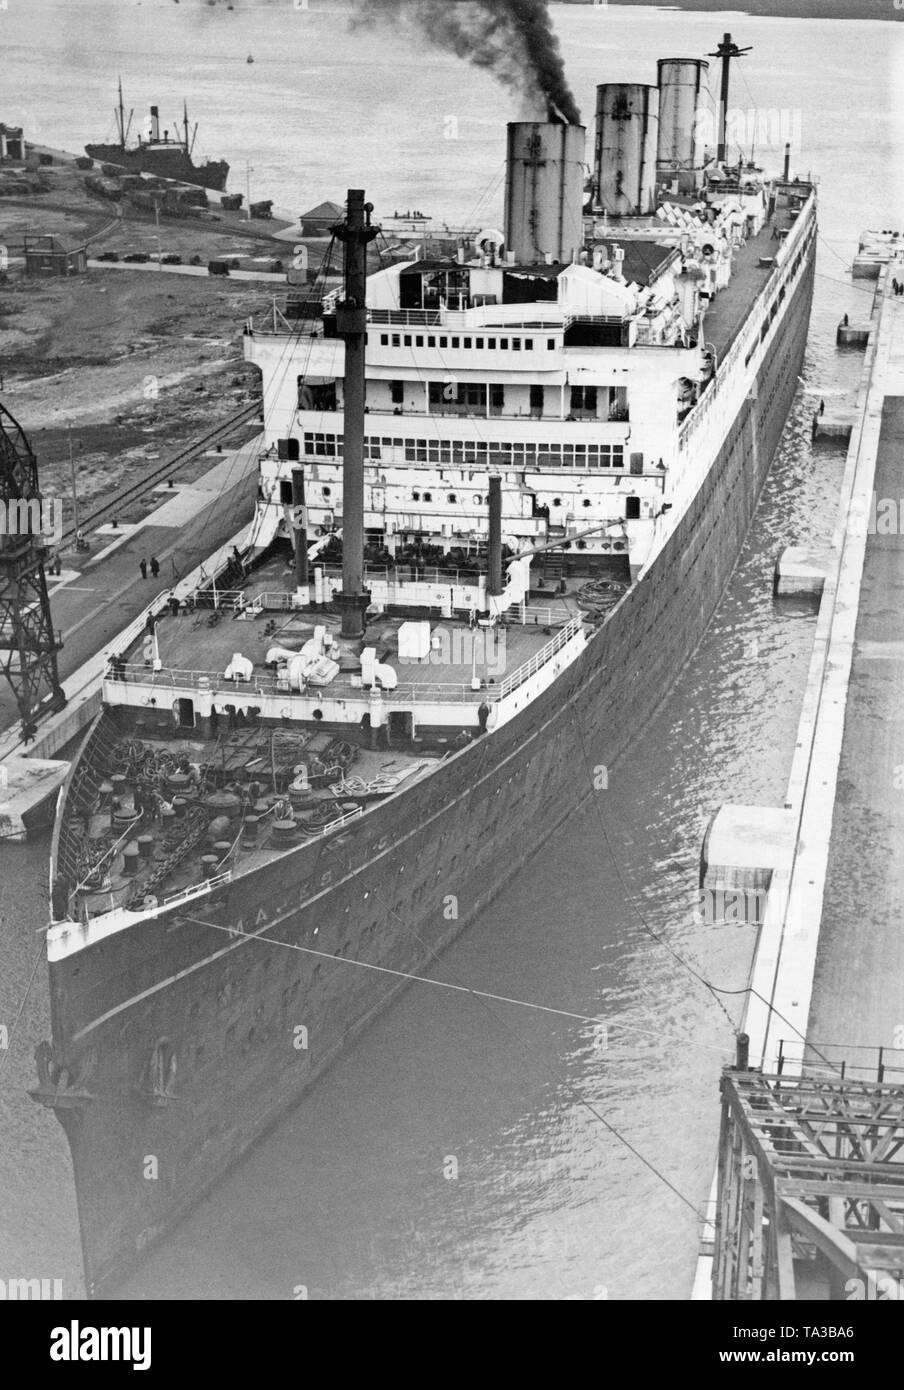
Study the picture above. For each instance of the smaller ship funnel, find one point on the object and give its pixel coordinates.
(544, 191)
(627, 134)
(155, 123)
(682, 121)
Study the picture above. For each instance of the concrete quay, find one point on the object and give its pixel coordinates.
(827, 980)
(104, 606)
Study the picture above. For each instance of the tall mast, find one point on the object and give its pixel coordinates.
(351, 324)
(122, 118)
(185, 118)
(726, 51)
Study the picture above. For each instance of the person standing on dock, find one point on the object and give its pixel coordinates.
(822, 411)
(143, 566)
(155, 566)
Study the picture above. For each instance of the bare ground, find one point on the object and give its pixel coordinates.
(136, 362)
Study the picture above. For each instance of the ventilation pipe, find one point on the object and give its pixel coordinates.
(494, 550)
(299, 523)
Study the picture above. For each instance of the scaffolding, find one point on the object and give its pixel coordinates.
(811, 1188)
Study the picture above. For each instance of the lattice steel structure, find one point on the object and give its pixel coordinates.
(28, 645)
(811, 1189)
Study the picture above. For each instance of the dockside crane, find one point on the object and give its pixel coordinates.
(28, 644)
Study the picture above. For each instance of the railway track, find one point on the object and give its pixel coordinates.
(127, 495)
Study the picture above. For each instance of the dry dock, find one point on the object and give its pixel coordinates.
(824, 1016)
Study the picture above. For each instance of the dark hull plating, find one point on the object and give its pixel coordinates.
(230, 1008)
(166, 164)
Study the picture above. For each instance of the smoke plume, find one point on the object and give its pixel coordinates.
(513, 39)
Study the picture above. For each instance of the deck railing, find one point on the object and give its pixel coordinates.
(197, 890)
(544, 655)
(544, 316)
(406, 318)
(224, 691)
(412, 574)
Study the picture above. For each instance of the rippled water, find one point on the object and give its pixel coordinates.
(355, 1195)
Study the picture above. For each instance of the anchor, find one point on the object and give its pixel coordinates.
(61, 1087)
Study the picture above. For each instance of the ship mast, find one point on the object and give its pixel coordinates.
(122, 118)
(726, 51)
(185, 119)
(351, 324)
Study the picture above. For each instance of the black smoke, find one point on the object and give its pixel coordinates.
(513, 39)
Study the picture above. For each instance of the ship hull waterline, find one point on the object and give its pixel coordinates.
(229, 1007)
(168, 164)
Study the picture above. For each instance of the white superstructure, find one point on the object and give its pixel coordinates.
(581, 383)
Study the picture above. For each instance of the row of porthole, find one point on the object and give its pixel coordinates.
(477, 499)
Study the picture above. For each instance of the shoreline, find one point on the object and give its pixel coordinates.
(758, 9)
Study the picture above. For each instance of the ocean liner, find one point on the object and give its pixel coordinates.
(501, 492)
(165, 156)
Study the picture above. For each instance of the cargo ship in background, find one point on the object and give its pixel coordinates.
(168, 156)
(502, 489)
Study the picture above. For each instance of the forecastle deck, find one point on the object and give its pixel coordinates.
(198, 774)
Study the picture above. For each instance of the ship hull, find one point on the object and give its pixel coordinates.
(253, 1017)
(166, 164)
